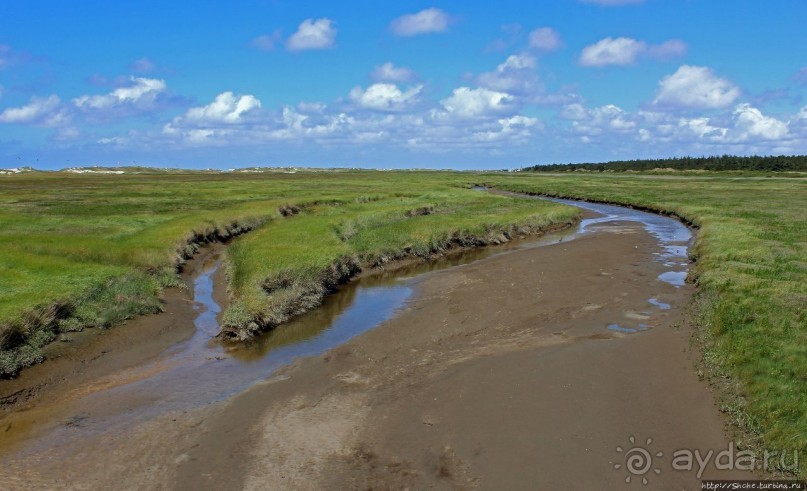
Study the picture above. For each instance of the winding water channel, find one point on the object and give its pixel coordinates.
(201, 371)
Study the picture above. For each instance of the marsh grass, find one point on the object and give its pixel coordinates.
(79, 251)
(751, 272)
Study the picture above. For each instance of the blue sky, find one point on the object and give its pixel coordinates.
(398, 84)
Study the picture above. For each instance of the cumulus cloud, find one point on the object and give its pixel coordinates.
(41, 111)
(544, 39)
(610, 51)
(516, 76)
(228, 116)
(751, 123)
(266, 42)
(423, 22)
(313, 34)
(139, 92)
(385, 97)
(741, 129)
(391, 73)
(596, 121)
(624, 51)
(225, 108)
(465, 102)
(696, 87)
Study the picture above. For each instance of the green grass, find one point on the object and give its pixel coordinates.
(751, 272)
(82, 251)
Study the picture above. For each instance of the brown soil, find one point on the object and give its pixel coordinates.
(500, 375)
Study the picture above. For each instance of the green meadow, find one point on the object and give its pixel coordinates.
(81, 251)
(84, 250)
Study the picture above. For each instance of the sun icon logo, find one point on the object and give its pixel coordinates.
(638, 460)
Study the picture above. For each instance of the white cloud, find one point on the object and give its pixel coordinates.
(313, 34)
(741, 130)
(47, 111)
(751, 124)
(225, 108)
(465, 102)
(139, 92)
(544, 39)
(627, 51)
(391, 73)
(702, 128)
(518, 62)
(598, 120)
(117, 141)
(266, 42)
(516, 76)
(696, 87)
(515, 128)
(385, 97)
(424, 22)
(609, 51)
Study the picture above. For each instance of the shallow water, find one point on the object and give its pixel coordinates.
(672, 235)
(202, 371)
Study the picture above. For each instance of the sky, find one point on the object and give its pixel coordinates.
(405, 84)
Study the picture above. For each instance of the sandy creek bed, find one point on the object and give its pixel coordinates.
(515, 367)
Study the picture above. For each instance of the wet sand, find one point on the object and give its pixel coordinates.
(499, 374)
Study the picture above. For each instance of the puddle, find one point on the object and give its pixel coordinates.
(675, 278)
(657, 303)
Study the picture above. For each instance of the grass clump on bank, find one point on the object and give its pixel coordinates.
(751, 271)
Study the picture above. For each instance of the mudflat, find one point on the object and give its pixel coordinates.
(500, 374)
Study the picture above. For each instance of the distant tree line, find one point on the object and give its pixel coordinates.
(716, 163)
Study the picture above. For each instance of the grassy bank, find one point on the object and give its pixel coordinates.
(751, 271)
(81, 251)
(287, 267)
